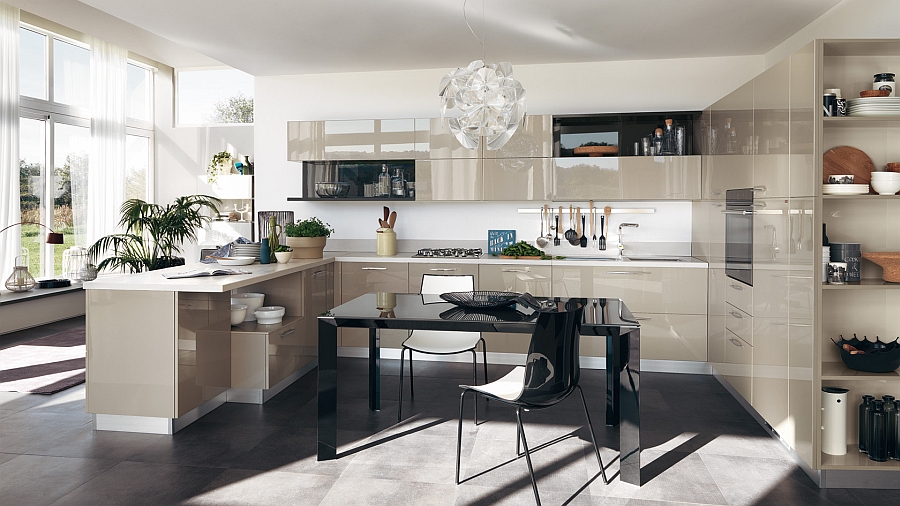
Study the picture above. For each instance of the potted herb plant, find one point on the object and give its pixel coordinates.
(307, 237)
(153, 233)
(220, 163)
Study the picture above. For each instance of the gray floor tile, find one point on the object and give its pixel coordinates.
(137, 483)
(352, 491)
(263, 488)
(472, 495)
(36, 480)
(27, 429)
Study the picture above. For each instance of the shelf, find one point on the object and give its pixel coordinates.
(866, 284)
(837, 371)
(859, 197)
(351, 199)
(255, 328)
(854, 460)
(861, 121)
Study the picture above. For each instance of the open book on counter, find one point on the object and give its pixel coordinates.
(201, 273)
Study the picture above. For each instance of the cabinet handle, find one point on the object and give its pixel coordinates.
(794, 324)
(642, 318)
(288, 332)
(759, 204)
(443, 270)
(737, 287)
(715, 192)
(744, 213)
(628, 272)
(374, 268)
(317, 273)
(791, 276)
(716, 205)
(736, 342)
(761, 189)
(513, 270)
(736, 315)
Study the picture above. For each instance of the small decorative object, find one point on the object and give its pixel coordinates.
(483, 299)
(307, 237)
(275, 231)
(220, 163)
(500, 239)
(841, 179)
(20, 280)
(265, 252)
(889, 261)
(837, 273)
(238, 312)
(884, 82)
(269, 315)
(869, 356)
(834, 420)
(252, 300)
(385, 301)
(283, 254)
(54, 283)
(385, 237)
(74, 262)
(247, 166)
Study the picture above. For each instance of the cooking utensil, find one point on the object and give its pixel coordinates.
(570, 234)
(387, 213)
(542, 241)
(392, 219)
(573, 240)
(606, 212)
(593, 225)
(556, 237)
(848, 160)
(549, 224)
(583, 240)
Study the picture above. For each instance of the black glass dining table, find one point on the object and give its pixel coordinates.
(607, 319)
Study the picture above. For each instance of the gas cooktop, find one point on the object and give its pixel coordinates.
(448, 253)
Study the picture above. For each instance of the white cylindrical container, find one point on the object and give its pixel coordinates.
(834, 420)
(884, 81)
(826, 257)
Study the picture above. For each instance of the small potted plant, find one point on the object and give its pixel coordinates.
(283, 253)
(220, 163)
(307, 237)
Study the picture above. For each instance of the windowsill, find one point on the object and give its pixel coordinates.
(7, 297)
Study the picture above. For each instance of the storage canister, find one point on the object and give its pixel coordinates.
(834, 420)
(884, 81)
(849, 253)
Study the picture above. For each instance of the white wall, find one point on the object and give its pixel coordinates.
(629, 86)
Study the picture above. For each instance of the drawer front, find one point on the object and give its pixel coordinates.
(366, 277)
(739, 295)
(286, 351)
(653, 289)
(738, 368)
(534, 279)
(673, 336)
(417, 271)
(739, 323)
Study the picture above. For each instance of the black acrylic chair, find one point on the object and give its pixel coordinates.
(442, 342)
(550, 374)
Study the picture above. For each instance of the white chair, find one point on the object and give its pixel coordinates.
(438, 342)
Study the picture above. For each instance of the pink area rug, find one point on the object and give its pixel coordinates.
(45, 365)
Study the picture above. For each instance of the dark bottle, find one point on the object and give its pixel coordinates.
(878, 436)
(265, 252)
(824, 237)
(890, 429)
(865, 419)
(896, 426)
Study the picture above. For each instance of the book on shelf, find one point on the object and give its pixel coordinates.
(202, 273)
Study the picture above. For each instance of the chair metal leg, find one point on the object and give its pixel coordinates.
(475, 380)
(400, 404)
(593, 437)
(537, 497)
(459, 433)
(484, 359)
(412, 391)
(518, 441)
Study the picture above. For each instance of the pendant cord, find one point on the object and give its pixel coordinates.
(466, 18)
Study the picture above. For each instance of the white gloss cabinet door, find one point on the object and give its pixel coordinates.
(517, 179)
(578, 178)
(461, 179)
(805, 102)
(372, 139)
(771, 127)
(533, 139)
(444, 145)
(306, 140)
(660, 177)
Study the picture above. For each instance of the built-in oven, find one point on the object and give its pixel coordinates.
(739, 234)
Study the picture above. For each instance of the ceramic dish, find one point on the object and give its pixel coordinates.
(238, 312)
(236, 260)
(267, 315)
(845, 189)
(252, 300)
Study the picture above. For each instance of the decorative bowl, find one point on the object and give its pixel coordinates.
(251, 300)
(267, 315)
(886, 186)
(328, 190)
(892, 166)
(238, 312)
(877, 356)
(889, 261)
(840, 179)
(283, 257)
(874, 93)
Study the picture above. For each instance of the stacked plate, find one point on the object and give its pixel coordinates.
(252, 250)
(845, 189)
(874, 106)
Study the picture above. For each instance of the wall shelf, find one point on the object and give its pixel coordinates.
(837, 371)
(861, 121)
(859, 197)
(865, 284)
(854, 460)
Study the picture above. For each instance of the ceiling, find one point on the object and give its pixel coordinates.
(280, 37)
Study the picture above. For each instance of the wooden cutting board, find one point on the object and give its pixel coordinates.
(848, 160)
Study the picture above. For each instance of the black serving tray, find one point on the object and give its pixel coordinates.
(53, 283)
(879, 356)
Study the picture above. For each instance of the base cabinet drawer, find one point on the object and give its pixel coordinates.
(653, 289)
(534, 279)
(366, 277)
(417, 271)
(739, 323)
(673, 336)
(739, 295)
(738, 366)
(263, 357)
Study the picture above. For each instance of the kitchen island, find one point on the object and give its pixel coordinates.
(162, 352)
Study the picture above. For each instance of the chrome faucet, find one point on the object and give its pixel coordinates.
(622, 244)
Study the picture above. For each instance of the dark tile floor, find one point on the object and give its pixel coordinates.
(702, 448)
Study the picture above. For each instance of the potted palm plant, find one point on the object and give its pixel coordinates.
(307, 237)
(153, 233)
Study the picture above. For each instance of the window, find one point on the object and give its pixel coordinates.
(55, 142)
(217, 96)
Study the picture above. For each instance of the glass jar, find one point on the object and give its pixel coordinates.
(865, 417)
(384, 182)
(398, 184)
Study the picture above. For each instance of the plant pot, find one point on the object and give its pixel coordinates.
(306, 247)
(283, 257)
(164, 262)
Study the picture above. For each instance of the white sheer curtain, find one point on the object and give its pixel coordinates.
(10, 241)
(106, 167)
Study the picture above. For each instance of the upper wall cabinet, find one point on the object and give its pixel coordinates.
(518, 179)
(771, 128)
(803, 98)
(306, 140)
(533, 139)
(374, 139)
(628, 178)
(732, 162)
(442, 144)
(449, 179)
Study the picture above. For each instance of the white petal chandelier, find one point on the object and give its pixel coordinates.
(484, 100)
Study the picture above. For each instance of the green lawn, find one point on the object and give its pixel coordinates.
(30, 237)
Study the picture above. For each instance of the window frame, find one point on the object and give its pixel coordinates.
(177, 94)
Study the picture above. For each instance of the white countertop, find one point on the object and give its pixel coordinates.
(154, 280)
(688, 262)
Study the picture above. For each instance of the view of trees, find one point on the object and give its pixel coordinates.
(235, 109)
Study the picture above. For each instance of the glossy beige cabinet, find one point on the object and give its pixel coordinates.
(366, 277)
(449, 179)
(738, 367)
(305, 140)
(517, 179)
(267, 354)
(418, 270)
(773, 239)
(578, 178)
(373, 139)
(533, 139)
(673, 336)
(716, 310)
(518, 277)
(660, 177)
(442, 144)
(204, 348)
(771, 127)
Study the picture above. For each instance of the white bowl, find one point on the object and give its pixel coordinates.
(238, 312)
(268, 315)
(886, 187)
(284, 257)
(251, 300)
(885, 176)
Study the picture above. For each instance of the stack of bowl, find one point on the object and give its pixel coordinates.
(252, 301)
(886, 183)
(245, 250)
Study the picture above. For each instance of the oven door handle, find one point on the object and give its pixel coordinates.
(744, 213)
